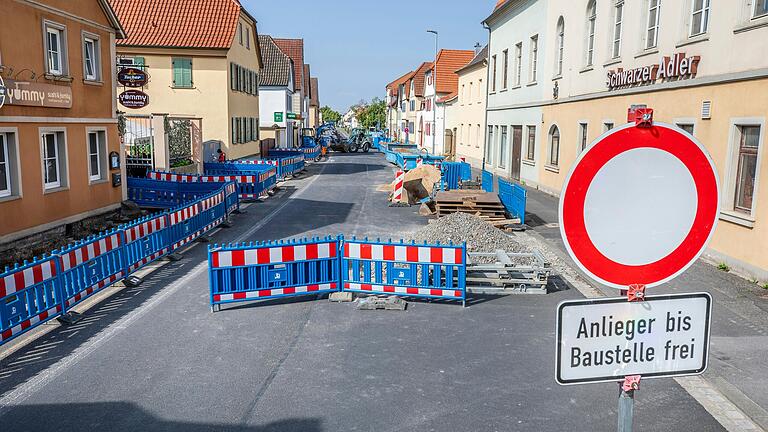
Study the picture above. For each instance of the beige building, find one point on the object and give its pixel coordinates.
(465, 112)
(198, 68)
(694, 63)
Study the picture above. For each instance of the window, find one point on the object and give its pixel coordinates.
(749, 139)
(560, 47)
(761, 8)
(534, 57)
(413, 105)
(479, 91)
(518, 63)
(554, 146)
(240, 33)
(489, 148)
(700, 17)
(617, 19)
(470, 93)
(182, 73)
(607, 126)
(591, 19)
(504, 73)
(53, 154)
(97, 155)
(652, 34)
(583, 136)
(5, 167)
(688, 127)
(503, 148)
(463, 94)
(530, 151)
(55, 46)
(247, 38)
(477, 138)
(461, 134)
(493, 77)
(91, 60)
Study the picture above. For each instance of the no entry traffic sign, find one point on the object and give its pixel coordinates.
(608, 339)
(639, 205)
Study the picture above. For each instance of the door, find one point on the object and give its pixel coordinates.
(517, 151)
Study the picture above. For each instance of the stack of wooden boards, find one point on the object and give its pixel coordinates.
(485, 205)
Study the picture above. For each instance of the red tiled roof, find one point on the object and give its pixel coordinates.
(499, 4)
(448, 62)
(294, 48)
(396, 83)
(407, 83)
(419, 78)
(178, 23)
(315, 99)
(448, 98)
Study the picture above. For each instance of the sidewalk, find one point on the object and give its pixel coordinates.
(737, 360)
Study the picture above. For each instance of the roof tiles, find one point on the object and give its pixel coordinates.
(294, 48)
(277, 65)
(448, 62)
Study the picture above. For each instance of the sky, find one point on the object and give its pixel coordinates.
(356, 47)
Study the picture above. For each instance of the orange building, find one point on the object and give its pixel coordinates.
(58, 123)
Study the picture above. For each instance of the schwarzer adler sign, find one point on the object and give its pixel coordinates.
(675, 67)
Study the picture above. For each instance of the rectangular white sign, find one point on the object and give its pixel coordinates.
(607, 339)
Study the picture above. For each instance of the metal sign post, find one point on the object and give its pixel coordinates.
(612, 231)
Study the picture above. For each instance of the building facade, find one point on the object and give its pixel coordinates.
(693, 62)
(198, 69)
(58, 122)
(314, 104)
(276, 88)
(465, 115)
(294, 48)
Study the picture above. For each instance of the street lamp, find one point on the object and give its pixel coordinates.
(434, 84)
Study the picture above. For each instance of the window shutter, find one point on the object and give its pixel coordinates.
(234, 131)
(188, 73)
(232, 76)
(176, 73)
(256, 127)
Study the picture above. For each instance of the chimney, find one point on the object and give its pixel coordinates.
(478, 48)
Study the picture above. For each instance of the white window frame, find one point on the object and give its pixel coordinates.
(247, 37)
(590, 33)
(618, 27)
(680, 121)
(491, 147)
(534, 47)
(240, 33)
(518, 63)
(4, 150)
(550, 145)
(494, 75)
(101, 154)
(528, 152)
(728, 210)
(505, 73)
(704, 11)
(50, 27)
(560, 46)
(650, 44)
(96, 41)
(13, 167)
(62, 168)
(582, 141)
(503, 132)
(754, 13)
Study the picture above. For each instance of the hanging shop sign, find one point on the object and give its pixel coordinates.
(134, 99)
(29, 93)
(676, 67)
(132, 77)
(608, 339)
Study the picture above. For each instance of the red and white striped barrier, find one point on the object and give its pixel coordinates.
(255, 295)
(273, 255)
(405, 253)
(24, 325)
(183, 214)
(90, 251)
(21, 280)
(399, 181)
(93, 288)
(406, 291)
(140, 231)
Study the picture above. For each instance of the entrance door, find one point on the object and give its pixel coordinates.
(517, 151)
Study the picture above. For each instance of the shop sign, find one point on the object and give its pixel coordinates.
(132, 77)
(29, 93)
(676, 67)
(134, 99)
(293, 116)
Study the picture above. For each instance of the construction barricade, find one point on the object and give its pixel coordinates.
(252, 181)
(146, 240)
(514, 198)
(164, 194)
(290, 162)
(30, 295)
(90, 265)
(430, 271)
(487, 179)
(453, 173)
(240, 273)
(311, 150)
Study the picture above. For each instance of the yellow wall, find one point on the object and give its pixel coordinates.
(741, 245)
(241, 104)
(469, 111)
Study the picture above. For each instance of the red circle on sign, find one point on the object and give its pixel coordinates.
(573, 226)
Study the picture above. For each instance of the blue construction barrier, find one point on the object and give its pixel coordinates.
(166, 194)
(310, 148)
(411, 270)
(34, 293)
(487, 181)
(453, 173)
(239, 273)
(290, 162)
(90, 265)
(514, 197)
(252, 181)
(146, 240)
(30, 295)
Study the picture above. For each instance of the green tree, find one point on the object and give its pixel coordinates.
(373, 114)
(329, 115)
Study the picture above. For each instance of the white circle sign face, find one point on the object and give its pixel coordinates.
(641, 220)
(639, 205)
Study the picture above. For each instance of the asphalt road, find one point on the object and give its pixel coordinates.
(155, 358)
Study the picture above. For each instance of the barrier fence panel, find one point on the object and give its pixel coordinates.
(311, 152)
(231, 198)
(145, 241)
(487, 181)
(454, 173)
(240, 273)
(212, 212)
(253, 181)
(514, 198)
(30, 295)
(165, 193)
(91, 265)
(431, 271)
(291, 161)
(183, 225)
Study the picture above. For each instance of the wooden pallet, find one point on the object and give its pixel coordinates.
(479, 203)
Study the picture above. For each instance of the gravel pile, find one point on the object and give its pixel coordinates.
(479, 235)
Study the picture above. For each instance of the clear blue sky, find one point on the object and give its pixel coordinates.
(356, 47)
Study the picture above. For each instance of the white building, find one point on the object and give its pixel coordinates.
(276, 90)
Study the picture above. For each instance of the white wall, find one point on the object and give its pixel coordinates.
(272, 100)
